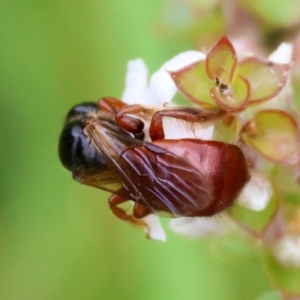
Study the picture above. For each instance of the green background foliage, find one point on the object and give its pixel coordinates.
(58, 239)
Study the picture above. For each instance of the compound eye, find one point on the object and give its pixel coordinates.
(75, 149)
(81, 109)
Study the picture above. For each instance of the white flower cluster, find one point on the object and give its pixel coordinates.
(161, 90)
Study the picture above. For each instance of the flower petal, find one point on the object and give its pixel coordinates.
(283, 54)
(275, 135)
(154, 230)
(255, 214)
(221, 61)
(287, 250)
(198, 227)
(193, 83)
(136, 84)
(161, 85)
(266, 78)
(257, 192)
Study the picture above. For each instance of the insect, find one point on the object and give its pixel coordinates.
(123, 149)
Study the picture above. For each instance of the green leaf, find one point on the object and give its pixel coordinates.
(266, 78)
(275, 135)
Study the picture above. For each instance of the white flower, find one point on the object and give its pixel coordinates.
(282, 55)
(155, 231)
(257, 192)
(199, 227)
(159, 91)
(287, 250)
(161, 88)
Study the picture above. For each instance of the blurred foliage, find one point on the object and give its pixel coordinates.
(59, 239)
(275, 14)
(204, 22)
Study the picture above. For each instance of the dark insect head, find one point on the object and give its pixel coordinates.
(75, 149)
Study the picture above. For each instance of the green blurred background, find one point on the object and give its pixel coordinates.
(58, 239)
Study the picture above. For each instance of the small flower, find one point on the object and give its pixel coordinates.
(219, 80)
(257, 205)
(287, 250)
(257, 192)
(160, 90)
(161, 87)
(254, 94)
(154, 230)
(254, 86)
(201, 227)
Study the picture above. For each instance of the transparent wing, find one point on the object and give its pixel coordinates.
(152, 175)
(104, 179)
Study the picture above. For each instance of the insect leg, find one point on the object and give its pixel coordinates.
(139, 211)
(110, 104)
(120, 213)
(128, 122)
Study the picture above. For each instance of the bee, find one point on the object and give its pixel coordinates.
(123, 149)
